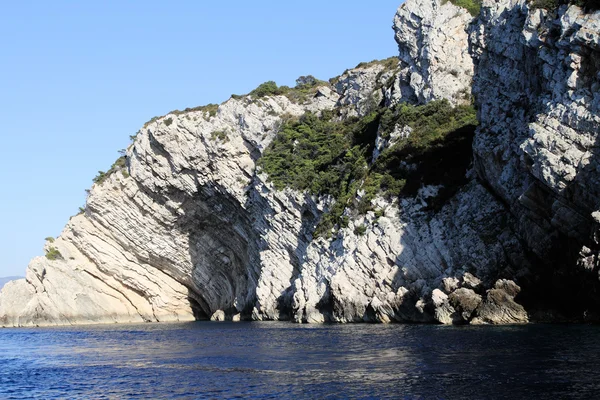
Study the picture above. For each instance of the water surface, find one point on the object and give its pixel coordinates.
(285, 360)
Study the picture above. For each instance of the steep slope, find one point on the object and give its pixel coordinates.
(435, 60)
(537, 84)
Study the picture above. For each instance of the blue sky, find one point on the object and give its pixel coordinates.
(77, 78)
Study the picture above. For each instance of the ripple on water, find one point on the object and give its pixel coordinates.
(283, 360)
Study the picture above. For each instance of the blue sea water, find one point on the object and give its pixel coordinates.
(271, 360)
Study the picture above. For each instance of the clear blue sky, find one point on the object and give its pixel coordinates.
(77, 78)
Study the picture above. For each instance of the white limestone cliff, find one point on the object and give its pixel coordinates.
(190, 228)
(435, 63)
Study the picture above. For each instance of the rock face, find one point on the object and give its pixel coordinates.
(5, 280)
(537, 83)
(435, 63)
(499, 306)
(188, 227)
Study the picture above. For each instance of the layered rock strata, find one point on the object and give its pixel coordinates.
(190, 228)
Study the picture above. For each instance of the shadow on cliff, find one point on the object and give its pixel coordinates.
(266, 221)
(554, 225)
(223, 250)
(226, 239)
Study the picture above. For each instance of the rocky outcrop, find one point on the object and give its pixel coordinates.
(365, 87)
(434, 59)
(188, 227)
(499, 306)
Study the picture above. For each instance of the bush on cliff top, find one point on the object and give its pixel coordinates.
(305, 87)
(211, 109)
(472, 6)
(269, 88)
(388, 63)
(119, 164)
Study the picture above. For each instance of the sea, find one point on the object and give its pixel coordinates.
(280, 360)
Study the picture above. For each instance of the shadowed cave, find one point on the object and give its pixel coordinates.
(224, 252)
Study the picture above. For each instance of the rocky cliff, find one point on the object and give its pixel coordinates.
(213, 212)
(537, 88)
(6, 279)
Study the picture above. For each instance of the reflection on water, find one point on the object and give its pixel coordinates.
(284, 360)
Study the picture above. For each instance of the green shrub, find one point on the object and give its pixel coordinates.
(324, 156)
(168, 121)
(119, 164)
(52, 253)
(437, 152)
(344, 221)
(307, 81)
(153, 119)
(313, 154)
(472, 6)
(306, 87)
(221, 135)
(544, 4)
(211, 109)
(101, 177)
(389, 63)
(49, 239)
(269, 88)
(428, 122)
(360, 230)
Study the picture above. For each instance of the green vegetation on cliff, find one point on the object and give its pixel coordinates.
(437, 151)
(552, 5)
(53, 254)
(472, 6)
(119, 164)
(325, 155)
(306, 86)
